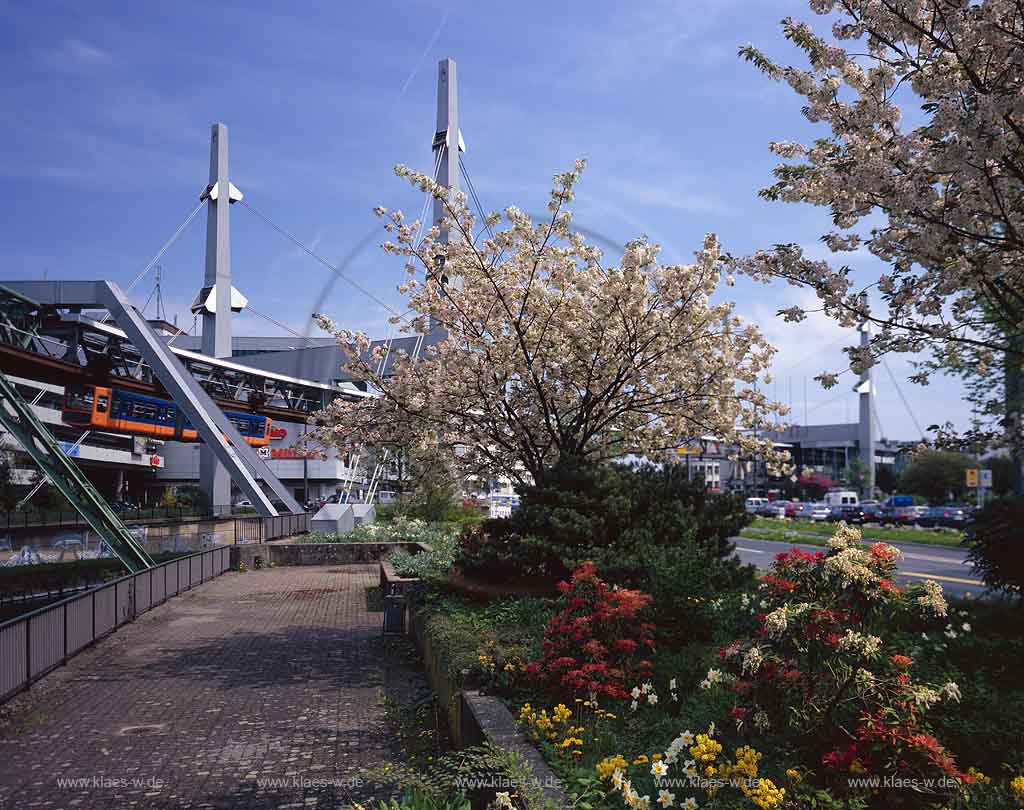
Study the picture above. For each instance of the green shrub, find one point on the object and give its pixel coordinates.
(645, 527)
(996, 542)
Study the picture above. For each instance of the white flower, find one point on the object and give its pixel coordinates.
(636, 692)
(659, 769)
(690, 768)
(966, 627)
(686, 737)
(689, 804)
(951, 691)
(502, 799)
(652, 698)
(672, 684)
(633, 705)
(705, 684)
(616, 778)
(861, 644)
(752, 660)
(932, 599)
(666, 799)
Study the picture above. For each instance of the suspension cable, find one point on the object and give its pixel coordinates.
(899, 391)
(317, 257)
(161, 252)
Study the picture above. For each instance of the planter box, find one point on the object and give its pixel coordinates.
(474, 718)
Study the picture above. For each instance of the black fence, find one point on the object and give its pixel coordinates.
(264, 529)
(35, 643)
(33, 518)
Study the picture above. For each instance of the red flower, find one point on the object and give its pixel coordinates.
(902, 661)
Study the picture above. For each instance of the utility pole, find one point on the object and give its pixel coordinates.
(447, 142)
(866, 426)
(214, 300)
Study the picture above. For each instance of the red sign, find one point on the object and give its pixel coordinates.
(278, 432)
(154, 461)
(285, 452)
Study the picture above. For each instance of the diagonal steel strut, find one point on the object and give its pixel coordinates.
(243, 464)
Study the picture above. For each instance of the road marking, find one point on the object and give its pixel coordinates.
(932, 558)
(960, 580)
(751, 550)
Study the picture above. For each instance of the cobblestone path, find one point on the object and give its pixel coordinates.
(255, 690)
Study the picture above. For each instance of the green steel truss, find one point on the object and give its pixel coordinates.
(17, 417)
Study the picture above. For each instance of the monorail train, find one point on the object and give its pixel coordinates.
(121, 411)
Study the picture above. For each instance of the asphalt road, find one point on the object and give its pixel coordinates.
(947, 566)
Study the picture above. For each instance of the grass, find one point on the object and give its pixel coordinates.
(815, 534)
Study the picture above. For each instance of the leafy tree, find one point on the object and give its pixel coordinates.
(947, 182)
(936, 474)
(885, 478)
(536, 349)
(815, 485)
(1002, 474)
(997, 547)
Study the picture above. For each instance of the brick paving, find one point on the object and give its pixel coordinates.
(255, 690)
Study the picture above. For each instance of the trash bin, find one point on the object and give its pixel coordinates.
(394, 611)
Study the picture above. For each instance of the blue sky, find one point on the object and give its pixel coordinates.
(108, 109)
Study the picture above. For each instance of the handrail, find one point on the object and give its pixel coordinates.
(133, 594)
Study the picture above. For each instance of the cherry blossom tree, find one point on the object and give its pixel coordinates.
(947, 181)
(536, 350)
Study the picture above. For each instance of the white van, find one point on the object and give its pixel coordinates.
(842, 498)
(753, 504)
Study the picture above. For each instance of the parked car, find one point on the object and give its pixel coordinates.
(773, 509)
(952, 515)
(792, 507)
(872, 511)
(752, 505)
(813, 512)
(852, 515)
(899, 515)
(803, 511)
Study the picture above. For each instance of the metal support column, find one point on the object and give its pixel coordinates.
(213, 477)
(447, 141)
(866, 427)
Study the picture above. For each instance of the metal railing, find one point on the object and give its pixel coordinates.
(38, 642)
(264, 529)
(70, 519)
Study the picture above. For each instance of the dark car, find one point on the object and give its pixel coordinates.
(952, 515)
(847, 514)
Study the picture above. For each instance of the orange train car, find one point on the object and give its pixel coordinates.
(119, 411)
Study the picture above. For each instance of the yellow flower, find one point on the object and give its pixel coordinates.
(794, 776)
(985, 780)
(1017, 786)
(607, 766)
(766, 795)
(706, 749)
(641, 760)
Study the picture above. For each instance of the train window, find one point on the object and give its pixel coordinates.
(102, 403)
(78, 399)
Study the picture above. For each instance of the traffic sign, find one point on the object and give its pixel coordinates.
(972, 478)
(985, 479)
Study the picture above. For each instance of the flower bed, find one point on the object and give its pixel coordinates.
(826, 685)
